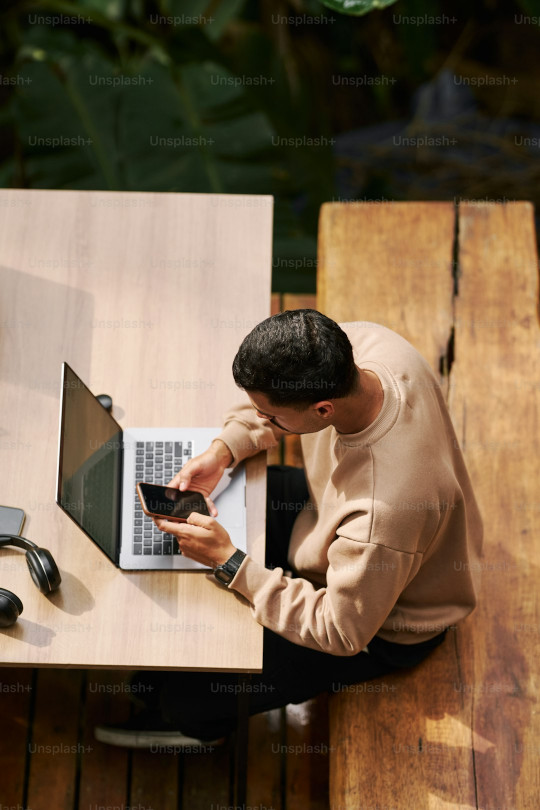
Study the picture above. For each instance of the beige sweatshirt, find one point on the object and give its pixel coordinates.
(389, 543)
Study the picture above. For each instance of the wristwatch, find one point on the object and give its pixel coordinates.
(225, 573)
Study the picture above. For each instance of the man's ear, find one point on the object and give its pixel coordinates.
(325, 408)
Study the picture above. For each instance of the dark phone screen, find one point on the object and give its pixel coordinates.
(11, 520)
(172, 503)
(90, 464)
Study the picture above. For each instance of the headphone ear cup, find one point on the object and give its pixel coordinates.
(11, 608)
(43, 569)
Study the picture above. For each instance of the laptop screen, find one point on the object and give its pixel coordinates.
(89, 464)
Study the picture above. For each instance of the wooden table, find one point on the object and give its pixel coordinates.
(147, 296)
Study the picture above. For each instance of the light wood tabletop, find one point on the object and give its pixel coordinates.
(147, 296)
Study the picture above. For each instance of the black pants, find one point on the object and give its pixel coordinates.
(204, 704)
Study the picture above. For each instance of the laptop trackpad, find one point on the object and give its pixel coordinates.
(229, 498)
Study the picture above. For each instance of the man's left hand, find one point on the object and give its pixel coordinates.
(202, 538)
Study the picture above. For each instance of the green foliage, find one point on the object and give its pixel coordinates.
(149, 127)
(357, 7)
(239, 96)
(531, 7)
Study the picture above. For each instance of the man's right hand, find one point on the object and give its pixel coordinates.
(203, 472)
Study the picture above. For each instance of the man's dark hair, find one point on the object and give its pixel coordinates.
(296, 358)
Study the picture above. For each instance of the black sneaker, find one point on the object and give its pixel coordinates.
(148, 731)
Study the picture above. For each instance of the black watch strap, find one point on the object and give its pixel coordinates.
(225, 573)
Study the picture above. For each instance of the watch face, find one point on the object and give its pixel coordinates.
(226, 573)
(223, 576)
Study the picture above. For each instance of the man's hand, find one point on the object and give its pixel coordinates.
(202, 538)
(203, 472)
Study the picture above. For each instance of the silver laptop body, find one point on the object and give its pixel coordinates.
(99, 464)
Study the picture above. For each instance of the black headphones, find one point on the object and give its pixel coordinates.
(43, 571)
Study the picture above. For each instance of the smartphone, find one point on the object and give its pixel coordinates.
(170, 503)
(11, 520)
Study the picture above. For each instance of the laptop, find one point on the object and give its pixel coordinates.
(99, 464)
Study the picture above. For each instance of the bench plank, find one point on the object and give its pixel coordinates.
(398, 740)
(264, 782)
(495, 405)
(54, 748)
(391, 264)
(103, 779)
(154, 779)
(15, 707)
(206, 775)
(307, 752)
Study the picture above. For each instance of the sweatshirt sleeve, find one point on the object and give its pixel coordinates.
(245, 433)
(364, 581)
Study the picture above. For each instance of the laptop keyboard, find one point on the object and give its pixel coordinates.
(156, 463)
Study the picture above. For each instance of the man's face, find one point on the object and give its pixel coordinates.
(288, 419)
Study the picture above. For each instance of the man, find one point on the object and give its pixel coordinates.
(382, 534)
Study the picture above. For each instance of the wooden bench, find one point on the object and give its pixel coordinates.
(461, 284)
